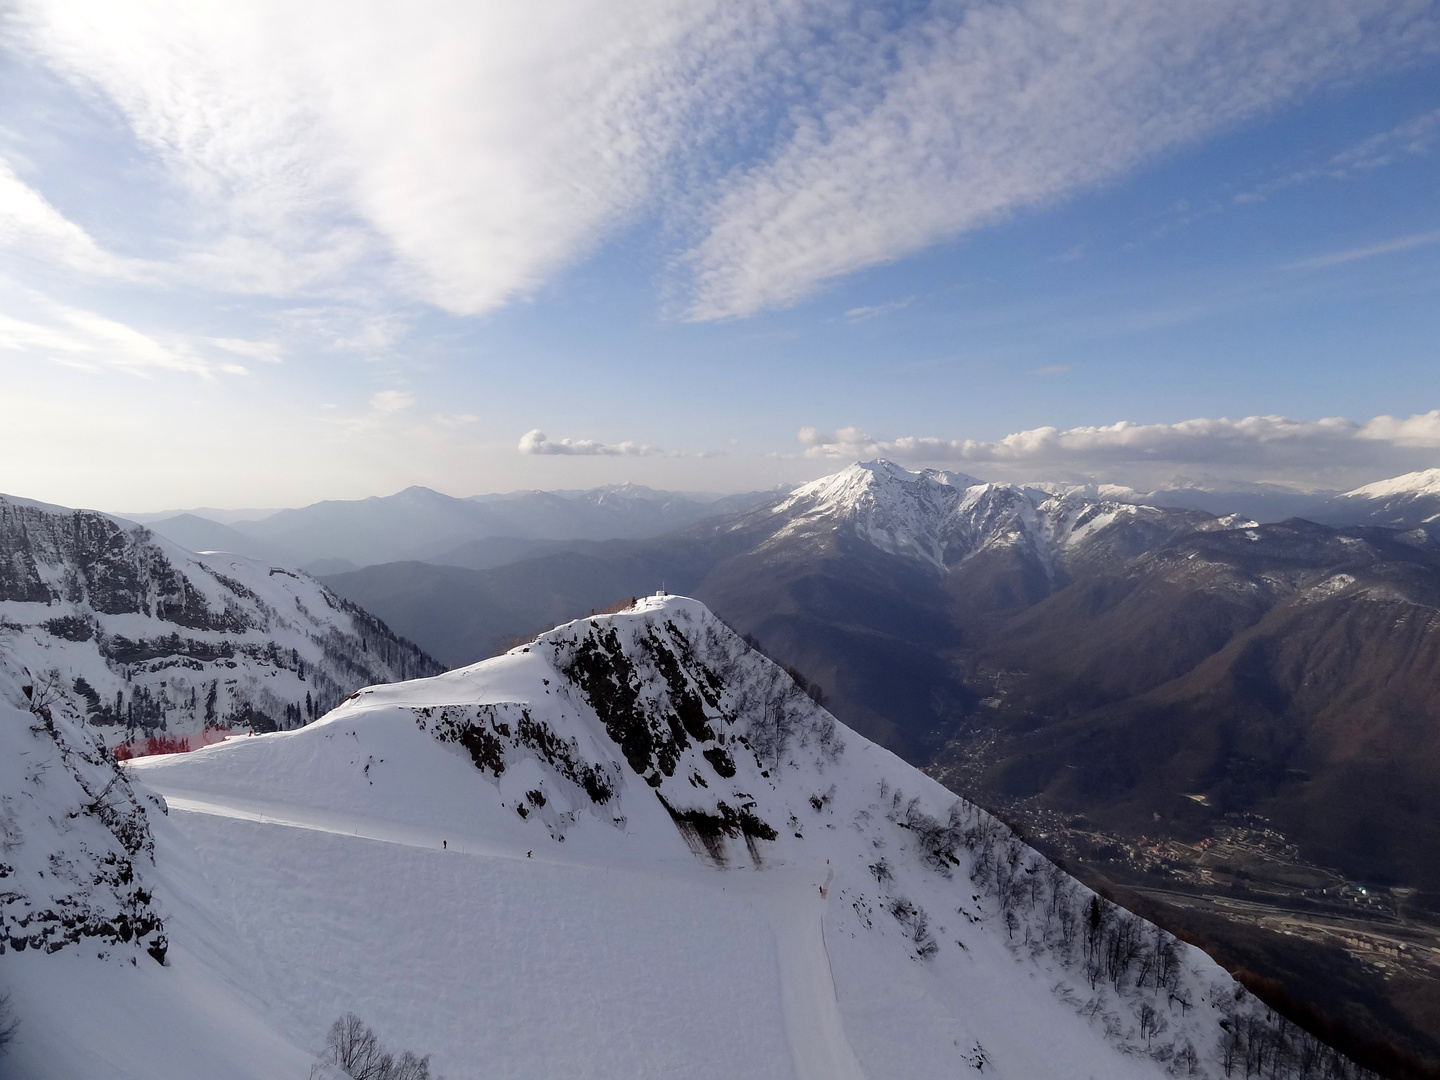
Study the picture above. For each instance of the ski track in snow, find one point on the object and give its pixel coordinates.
(818, 1044)
(293, 817)
(819, 1049)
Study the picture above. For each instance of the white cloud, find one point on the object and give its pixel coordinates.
(861, 314)
(1254, 445)
(1389, 247)
(992, 108)
(29, 223)
(536, 442)
(483, 145)
(267, 351)
(86, 339)
(1421, 430)
(391, 401)
(274, 266)
(467, 153)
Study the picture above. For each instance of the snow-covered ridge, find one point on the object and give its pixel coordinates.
(805, 903)
(1425, 482)
(151, 639)
(946, 518)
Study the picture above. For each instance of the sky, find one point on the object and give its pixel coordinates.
(271, 253)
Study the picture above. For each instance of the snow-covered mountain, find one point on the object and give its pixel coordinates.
(152, 640)
(635, 848)
(1411, 501)
(946, 518)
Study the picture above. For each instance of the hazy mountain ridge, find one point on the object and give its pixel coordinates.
(484, 531)
(419, 523)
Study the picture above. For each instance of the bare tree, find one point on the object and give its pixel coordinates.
(8, 1022)
(1148, 1017)
(352, 1046)
(410, 1067)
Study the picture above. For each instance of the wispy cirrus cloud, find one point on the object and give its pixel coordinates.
(479, 148)
(864, 314)
(990, 109)
(1255, 445)
(1370, 251)
(1414, 137)
(47, 330)
(265, 351)
(536, 442)
(466, 155)
(30, 224)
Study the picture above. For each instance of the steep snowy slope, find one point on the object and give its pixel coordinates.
(634, 848)
(67, 808)
(153, 640)
(96, 984)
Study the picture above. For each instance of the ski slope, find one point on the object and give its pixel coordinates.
(709, 878)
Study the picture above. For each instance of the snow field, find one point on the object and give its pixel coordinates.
(426, 857)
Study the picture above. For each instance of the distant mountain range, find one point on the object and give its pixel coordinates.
(486, 531)
(419, 523)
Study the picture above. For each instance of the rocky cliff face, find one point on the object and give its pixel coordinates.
(76, 853)
(151, 640)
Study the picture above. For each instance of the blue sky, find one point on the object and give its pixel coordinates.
(269, 254)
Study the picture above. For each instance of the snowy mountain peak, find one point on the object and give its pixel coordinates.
(1423, 483)
(890, 507)
(1402, 502)
(947, 518)
(880, 479)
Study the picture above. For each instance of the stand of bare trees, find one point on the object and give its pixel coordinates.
(1131, 966)
(352, 1047)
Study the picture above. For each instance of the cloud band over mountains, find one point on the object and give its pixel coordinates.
(536, 442)
(1294, 448)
